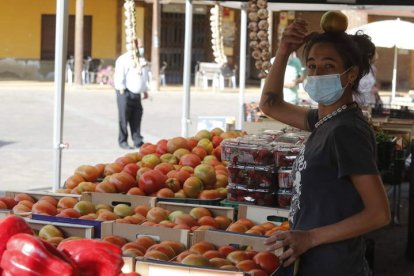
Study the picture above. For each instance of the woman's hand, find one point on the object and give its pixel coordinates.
(294, 242)
(293, 37)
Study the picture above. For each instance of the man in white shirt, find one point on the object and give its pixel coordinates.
(130, 81)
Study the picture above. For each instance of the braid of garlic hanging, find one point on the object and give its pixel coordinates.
(216, 19)
(130, 33)
(259, 37)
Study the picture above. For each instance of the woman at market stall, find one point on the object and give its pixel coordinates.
(338, 193)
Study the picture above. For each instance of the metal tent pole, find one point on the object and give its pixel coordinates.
(410, 239)
(185, 121)
(242, 63)
(394, 75)
(62, 8)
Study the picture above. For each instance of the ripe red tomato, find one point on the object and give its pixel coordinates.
(147, 148)
(164, 168)
(190, 159)
(267, 261)
(161, 146)
(152, 181)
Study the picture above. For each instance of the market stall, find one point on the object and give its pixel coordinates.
(167, 207)
(192, 206)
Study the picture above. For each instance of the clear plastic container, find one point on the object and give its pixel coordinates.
(284, 197)
(253, 177)
(292, 137)
(248, 150)
(285, 179)
(272, 135)
(285, 154)
(262, 197)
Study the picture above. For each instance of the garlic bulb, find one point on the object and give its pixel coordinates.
(265, 56)
(253, 26)
(253, 16)
(262, 13)
(253, 36)
(263, 24)
(254, 44)
(266, 65)
(256, 54)
(262, 35)
(264, 45)
(262, 4)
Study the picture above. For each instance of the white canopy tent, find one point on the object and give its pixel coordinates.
(390, 34)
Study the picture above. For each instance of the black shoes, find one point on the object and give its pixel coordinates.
(128, 147)
(139, 145)
(125, 146)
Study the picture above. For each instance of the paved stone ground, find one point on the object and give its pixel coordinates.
(90, 128)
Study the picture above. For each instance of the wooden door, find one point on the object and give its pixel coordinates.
(47, 47)
(172, 37)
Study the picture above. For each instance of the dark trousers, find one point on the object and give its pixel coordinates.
(129, 112)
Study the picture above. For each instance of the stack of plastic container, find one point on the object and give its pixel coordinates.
(253, 176)
(287, 148)
(260, 167)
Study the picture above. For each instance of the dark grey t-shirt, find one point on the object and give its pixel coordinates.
(323, 193)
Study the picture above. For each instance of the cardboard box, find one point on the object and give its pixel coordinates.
(38, 195)
(68, 230)
(220, 238)
(132, 231)
(99, 227)
(129, 264)
(186, 208)
(5, 212)
(261, 214)
(148, 267)
(114, 199)
(214, 202)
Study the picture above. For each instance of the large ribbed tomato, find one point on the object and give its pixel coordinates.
(267, 261)
(190, 159)
(152, 181)
(161, 146)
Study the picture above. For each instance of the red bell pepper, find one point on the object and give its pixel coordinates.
(27, 255)
(10, 226)
(94, 257)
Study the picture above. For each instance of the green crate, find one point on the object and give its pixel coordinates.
(234, 205)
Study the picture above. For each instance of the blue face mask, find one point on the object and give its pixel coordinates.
(325, 89)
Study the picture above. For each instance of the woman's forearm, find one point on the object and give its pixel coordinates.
(351, 227)
(272, 92)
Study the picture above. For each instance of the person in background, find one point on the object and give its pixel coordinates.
(293, 76)
(130, 81)
(338, 194)
(369, 87)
